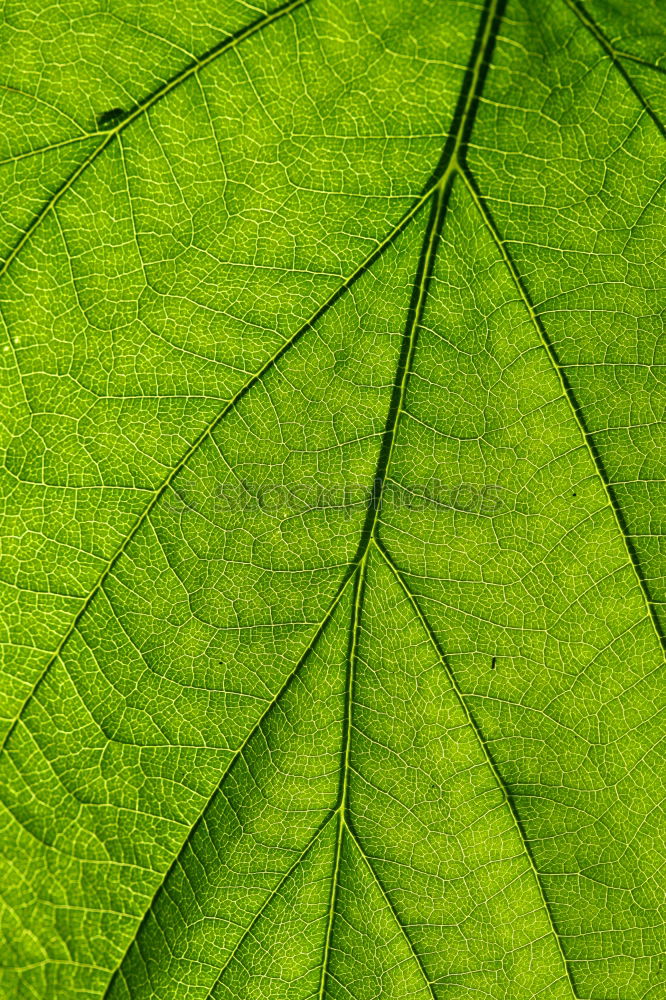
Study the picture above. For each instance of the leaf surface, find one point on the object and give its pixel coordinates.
(333, 573)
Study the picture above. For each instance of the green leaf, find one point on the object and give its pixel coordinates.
(333, 570)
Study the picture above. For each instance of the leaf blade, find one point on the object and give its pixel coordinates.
(313, 366)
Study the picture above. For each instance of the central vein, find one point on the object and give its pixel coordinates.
(451, 160)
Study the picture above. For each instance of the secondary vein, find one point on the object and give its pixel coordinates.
(403, 930)
(568, 394)
(343, 788)
(616, 58)
(160, 92)
(206, 434)
(302, 856)
(225, 775)
(486, 753)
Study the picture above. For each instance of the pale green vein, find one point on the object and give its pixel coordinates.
(567, 394)
(299, 860)
(46, 104)
(140, 109)
(406, 589)
(632, 57)
(343, 793)
(205, 435)
(401, 927)
(238, 753)
(40, 150)
(590, 24)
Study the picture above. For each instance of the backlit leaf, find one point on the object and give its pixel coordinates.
(333, 562)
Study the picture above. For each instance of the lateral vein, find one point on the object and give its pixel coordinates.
(590, 24)
(403, 930)
(568, 394)
(208, 431)
(217, 50)
(484, 749)
(299, 860)
(227, 771)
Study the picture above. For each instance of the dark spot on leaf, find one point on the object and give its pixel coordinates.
(493, 663)
(111, 117)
